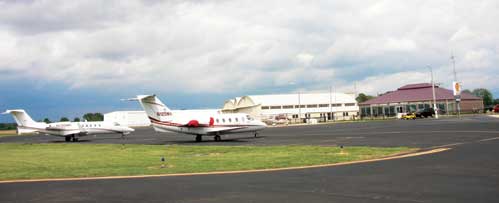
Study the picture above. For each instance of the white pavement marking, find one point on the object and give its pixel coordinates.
(488, 139)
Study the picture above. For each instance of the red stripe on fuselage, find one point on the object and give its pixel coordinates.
(167, 123)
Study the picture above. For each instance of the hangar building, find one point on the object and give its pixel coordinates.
(413, 97)
(128, 118)
(320, 106)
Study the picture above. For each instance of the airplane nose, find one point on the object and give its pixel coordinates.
(263, 124)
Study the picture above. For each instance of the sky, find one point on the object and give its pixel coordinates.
(66, 58)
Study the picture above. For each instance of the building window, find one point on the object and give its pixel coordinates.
(365, 111)
(299, 106)
(287, 107)
(265, 107)
(441, 107)
(312, 106)
(275, 107)
(350, 104)
(323, 105)
(336, 105)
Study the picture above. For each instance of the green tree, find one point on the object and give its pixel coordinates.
(63, 119)
(485, 95)
(496, 101)
(363, 97)
(46, 120)
(76, 119)
(8, 126)
(93, 117)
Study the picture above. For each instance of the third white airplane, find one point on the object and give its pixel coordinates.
(196, 123)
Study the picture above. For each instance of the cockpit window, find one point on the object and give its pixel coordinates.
(249, 118)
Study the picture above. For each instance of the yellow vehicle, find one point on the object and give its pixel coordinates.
(409, 116)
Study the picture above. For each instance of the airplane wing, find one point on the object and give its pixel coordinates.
(63, 131)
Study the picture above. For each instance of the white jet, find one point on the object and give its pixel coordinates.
(70, 130)
(198, 123)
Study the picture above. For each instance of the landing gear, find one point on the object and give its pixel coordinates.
(199, 138)
(256, 134)
(218, 138)
(71, 138)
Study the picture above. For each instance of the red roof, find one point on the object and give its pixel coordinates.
(417, 92)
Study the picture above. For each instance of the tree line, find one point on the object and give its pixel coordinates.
(86, 117)
(485, 94)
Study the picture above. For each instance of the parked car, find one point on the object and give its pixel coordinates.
(425, 113)
(488, 108)
(496, 108)
(409, 116)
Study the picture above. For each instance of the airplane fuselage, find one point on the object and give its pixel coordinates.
(208, 124)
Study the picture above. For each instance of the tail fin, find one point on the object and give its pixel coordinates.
(22, 118)
(154, 108)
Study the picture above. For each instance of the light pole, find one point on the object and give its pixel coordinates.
(299, 106)
(433, 91)
(458, 96)
(331, 102)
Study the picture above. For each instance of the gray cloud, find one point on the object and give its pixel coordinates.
(217, 46)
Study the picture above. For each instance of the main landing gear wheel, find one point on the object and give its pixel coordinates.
(74, 139)
(256, 134)
(199, 138)
(218, 138)
(67, 138)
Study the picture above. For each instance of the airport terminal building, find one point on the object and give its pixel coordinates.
(413, 97)
(296, 107)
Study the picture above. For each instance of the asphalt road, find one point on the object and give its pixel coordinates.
(469, 172)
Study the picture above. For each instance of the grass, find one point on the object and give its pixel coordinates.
(31, 161)
(7, 133)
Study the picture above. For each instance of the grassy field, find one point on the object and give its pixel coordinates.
(7, 133)
(30, 161)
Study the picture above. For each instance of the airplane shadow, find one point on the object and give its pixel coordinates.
(211, 141)
(62, 141)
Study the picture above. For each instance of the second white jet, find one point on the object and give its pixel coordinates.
(196, 123)
(71, 131)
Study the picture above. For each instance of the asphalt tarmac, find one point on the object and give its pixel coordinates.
(469, 172)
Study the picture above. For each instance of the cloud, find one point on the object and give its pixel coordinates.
(237, 46)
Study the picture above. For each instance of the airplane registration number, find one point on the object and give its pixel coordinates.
(163, 113)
